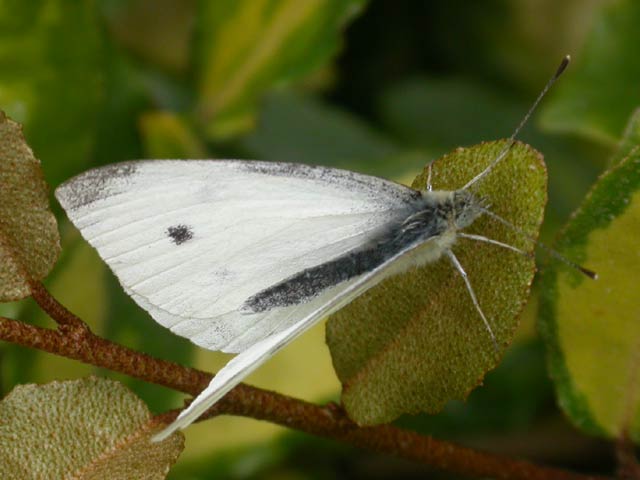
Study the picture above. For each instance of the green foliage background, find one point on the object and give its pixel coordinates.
(381, 87)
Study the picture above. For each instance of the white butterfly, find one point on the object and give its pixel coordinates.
(244, 256)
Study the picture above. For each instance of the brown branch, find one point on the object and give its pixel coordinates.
(328, 421)
(55, 309)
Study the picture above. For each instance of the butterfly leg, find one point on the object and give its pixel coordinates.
(463, 274)
(481, 238)
(429, 186)
(555, 254)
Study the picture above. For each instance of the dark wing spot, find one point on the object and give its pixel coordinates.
(180, 234)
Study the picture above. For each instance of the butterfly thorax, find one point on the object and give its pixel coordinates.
(453, 210)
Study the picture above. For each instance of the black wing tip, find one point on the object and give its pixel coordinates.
(87, 187)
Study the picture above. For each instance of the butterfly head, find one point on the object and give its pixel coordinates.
(466, 207)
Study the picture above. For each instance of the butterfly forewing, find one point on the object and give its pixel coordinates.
(191, 241)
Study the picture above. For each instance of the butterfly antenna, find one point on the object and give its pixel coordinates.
(512, 139)
(554, 253)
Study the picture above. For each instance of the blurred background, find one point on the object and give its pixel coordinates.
(381, 87)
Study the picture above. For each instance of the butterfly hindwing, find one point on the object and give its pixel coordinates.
(304, 316)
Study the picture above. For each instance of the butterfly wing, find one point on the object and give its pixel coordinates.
(191, 241)
(306, 316)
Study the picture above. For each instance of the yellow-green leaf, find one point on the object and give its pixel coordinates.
(592, 328)
(29, 240)
(82, 429)
(248, 46)
(416, 341)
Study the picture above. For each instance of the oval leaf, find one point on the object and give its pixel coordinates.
(416, 341)
(82, 429)
(248, 46)
(29, 240)
(591, 327)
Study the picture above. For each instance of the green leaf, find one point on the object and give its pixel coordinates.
(50, 78)
(299, 128)
(416, 341)
(600, 92)
(515, 398)
(441, 113)
(85, 429)
(591, 327)
(29, 240)
(247, 46)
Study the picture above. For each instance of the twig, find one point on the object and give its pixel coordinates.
(55, 309)
(328, 421)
